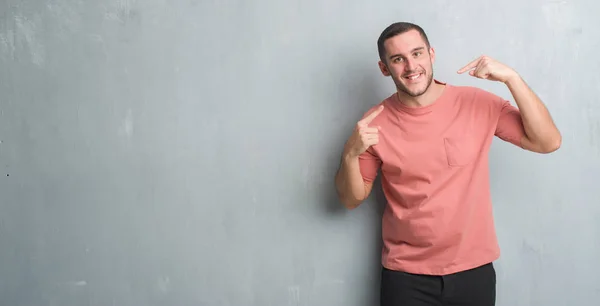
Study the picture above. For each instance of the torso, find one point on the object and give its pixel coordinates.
(435, 177)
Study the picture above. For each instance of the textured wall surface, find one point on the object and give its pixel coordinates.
(182, 152)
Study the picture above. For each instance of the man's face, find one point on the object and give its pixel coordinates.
(409, 62)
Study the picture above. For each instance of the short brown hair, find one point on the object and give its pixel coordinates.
(397, 29)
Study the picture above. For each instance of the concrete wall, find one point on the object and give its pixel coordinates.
(183, 152)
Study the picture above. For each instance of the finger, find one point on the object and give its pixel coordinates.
(369, 130)
(473, 64)
(371, 141)
(481, 72)
(470, 65)
(370, 137)
(371, 116)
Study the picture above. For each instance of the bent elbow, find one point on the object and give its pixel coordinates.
(350, 205)
(551, 146)
(554, 144)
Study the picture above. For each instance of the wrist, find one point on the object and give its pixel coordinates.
(349, 157)
(513, 78)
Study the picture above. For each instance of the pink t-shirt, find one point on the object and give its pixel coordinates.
(434, 167)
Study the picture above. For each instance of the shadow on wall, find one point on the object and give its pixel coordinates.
(360, 94)
(359, 89)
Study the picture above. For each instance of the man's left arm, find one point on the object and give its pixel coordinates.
(541, 134)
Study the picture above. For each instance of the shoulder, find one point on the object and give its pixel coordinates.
(478, 97)
(475, 93)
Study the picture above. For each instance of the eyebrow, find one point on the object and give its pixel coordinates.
(411, 51)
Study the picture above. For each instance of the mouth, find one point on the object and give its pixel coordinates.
(413, 77)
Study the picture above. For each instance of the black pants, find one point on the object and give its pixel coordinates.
(475, 287)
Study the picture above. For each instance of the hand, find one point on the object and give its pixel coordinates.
(363, 136)
(487, 68)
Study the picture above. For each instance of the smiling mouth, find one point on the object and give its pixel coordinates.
(413, 77)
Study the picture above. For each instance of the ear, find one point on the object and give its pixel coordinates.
(432, 54)
(384, 69)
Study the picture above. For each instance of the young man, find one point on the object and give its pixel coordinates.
(431, 142)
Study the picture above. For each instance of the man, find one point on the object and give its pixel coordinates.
(431, 142)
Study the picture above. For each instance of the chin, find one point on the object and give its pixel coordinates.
(415, 94)
(415, 90)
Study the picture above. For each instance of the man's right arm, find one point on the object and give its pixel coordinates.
(352, 187)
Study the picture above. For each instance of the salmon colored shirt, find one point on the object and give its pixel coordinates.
(434, 173)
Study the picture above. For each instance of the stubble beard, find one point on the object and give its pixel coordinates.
(401, 87)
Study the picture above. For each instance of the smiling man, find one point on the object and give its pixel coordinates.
(431, 141)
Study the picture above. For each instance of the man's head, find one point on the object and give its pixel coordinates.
(406, 55)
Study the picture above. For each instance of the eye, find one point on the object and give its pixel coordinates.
(418, 53)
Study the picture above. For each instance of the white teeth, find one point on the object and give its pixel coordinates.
(413, 77)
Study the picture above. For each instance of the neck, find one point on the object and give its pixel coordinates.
(429, 97)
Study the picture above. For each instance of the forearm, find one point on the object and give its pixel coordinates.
(351, 188)
(539, 127)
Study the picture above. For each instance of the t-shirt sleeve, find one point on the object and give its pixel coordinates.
(509, 126)
(369, 165)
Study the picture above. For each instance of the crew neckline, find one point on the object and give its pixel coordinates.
(421, 109)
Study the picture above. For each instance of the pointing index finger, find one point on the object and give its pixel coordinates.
(371, 116)
(470, 65)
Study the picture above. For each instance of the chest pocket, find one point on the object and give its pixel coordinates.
(460, 150)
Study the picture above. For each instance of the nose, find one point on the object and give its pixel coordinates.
(411, 65)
